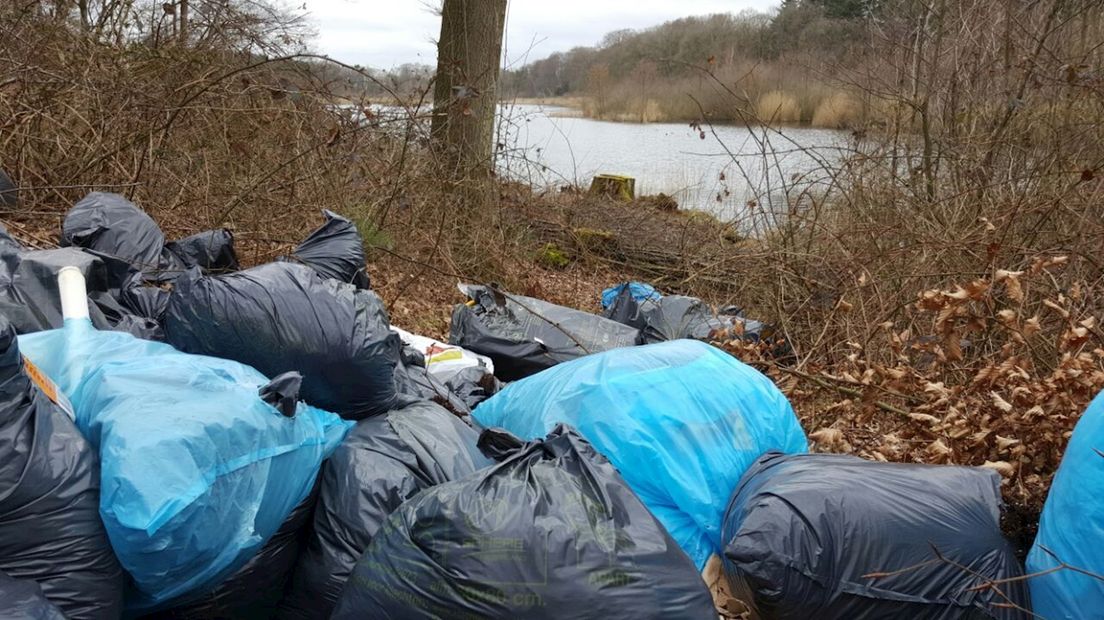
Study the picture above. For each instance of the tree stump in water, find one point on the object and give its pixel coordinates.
(614, 185)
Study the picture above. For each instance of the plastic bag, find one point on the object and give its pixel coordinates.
(444, 361)
(803, 532)
(112, 225)
(282, 316)
(212, 250)
(50, 529)
(524, 335)
(336, 250)
(197, 472)
(383, 462)
(552, 531)
(1072, 527)
(29, 297)
(23, 600)
(680, 420)
(637, 291)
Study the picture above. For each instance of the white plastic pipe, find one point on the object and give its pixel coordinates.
(74, 295)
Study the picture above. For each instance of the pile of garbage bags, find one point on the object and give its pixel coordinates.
(200, 441)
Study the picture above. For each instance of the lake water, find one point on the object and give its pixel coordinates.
(722, 173)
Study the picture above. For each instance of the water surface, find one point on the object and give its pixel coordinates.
(730, 171)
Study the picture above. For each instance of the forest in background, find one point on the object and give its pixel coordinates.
(778, 66)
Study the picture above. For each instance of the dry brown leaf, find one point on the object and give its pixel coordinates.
(827, 436)
(926, 418)
(1057, 308)
(1031, 326)
(1004, 467)
(939, 449)
(1003, 443)
(844, 306)
(1000, 403)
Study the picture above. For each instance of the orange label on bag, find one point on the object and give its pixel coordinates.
(47, 387)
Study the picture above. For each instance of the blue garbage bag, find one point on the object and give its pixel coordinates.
(197, 471)
(639, 291)
(681, 420)
(1072, 527)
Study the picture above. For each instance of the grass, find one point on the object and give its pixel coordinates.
(778, 107)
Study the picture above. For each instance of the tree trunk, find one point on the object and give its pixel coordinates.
(184, 21)
(464, 94)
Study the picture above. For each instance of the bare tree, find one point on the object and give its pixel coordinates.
(468, 59)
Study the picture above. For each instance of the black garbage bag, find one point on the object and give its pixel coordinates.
(24, 600)
(336, 250)
(8, 243)
(50, 528)
(212, 250)
(383, 462)
(30, 301)
(112, 225)
(254, 591)
(283, 316)
(803, 531)
(523, 336)
(552, 531)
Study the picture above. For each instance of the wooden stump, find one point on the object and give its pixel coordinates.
(614, 185)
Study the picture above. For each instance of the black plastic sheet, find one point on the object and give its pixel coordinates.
(50, 528)
(552, 531)
(523, 335)
(282, 316)
(803, 531)
(383, 462)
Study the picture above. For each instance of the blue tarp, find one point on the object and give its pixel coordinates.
(197, 472)
(639, 291)
(680, 420)
(1072, 527)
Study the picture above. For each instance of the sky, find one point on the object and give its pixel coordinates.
(387, 33)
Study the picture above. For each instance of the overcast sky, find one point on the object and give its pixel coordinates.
(386, 33)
